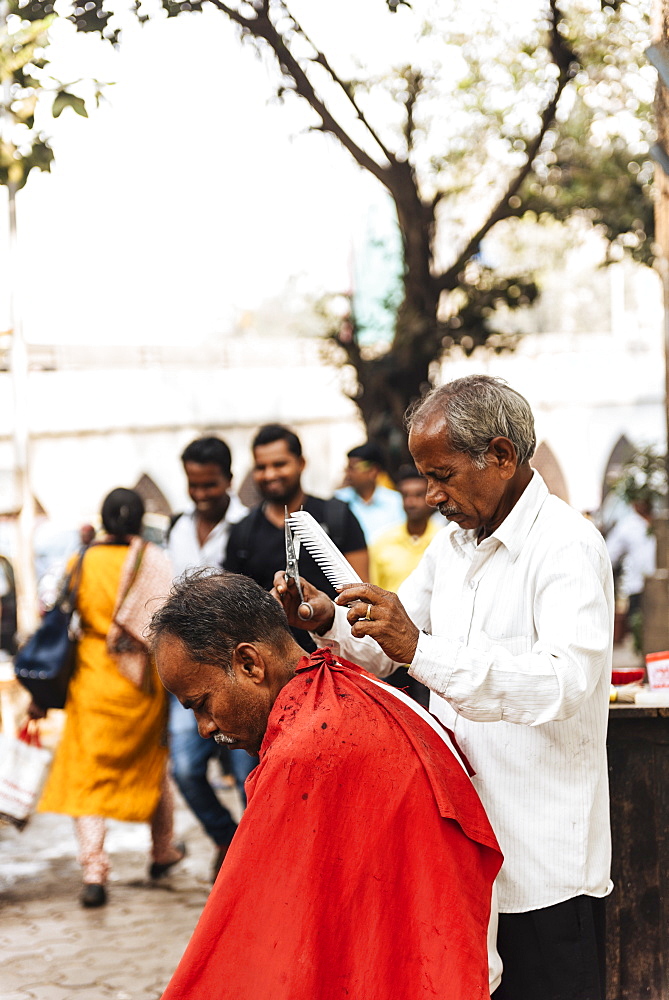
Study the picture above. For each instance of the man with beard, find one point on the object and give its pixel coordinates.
(197, 539)
(256, 546)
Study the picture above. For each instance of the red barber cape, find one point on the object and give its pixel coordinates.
(363, 865)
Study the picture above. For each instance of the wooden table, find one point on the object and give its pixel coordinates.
(638, 909)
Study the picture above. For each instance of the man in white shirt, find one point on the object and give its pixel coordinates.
(508, 619)
(199, 538)
(632, 544)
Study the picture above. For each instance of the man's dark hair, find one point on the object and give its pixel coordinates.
(209, 451)
(122, 513)
(407, 472)
(270, 433)
(367, 452)
(211, 612)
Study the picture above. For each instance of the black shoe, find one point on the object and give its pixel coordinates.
(160, 868)
(93, 894)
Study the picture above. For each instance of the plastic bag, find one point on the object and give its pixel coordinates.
(24, 766)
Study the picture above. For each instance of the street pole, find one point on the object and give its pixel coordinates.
(658, 54)
(24, 564)
(26, 581)
(659, 38)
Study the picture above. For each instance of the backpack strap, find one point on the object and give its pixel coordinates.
(67, 598)
(173, 520)
(335, 520)
(244, 531)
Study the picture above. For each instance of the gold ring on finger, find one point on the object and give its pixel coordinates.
(368, 614)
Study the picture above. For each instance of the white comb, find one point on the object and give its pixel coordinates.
(318, 543)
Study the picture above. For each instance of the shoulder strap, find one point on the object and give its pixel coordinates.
(244, 530)
(134, 572)
(67, 598)
(335, 520)
(9, 572)
(173, 520)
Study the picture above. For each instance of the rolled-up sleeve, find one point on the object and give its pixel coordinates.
(568, 638)
(525, 640)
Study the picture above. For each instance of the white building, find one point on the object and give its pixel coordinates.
(106, 416)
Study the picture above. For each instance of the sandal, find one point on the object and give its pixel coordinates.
(159, 868)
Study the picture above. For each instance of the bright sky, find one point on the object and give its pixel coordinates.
(190, 196)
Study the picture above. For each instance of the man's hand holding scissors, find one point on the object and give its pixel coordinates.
(304, 610)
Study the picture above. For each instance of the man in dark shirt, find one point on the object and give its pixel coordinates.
(256, 546)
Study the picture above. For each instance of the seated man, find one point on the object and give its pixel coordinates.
(363, 866)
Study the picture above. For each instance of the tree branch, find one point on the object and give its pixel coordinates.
(262, 27)
(234, 15)
(321, 59)
(414, 82)
(564, 59)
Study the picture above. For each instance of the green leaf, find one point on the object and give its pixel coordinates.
(79, 105)
(63, 100)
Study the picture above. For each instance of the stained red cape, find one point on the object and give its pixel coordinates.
(363, 865)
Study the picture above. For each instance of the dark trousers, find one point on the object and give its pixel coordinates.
(557, 953)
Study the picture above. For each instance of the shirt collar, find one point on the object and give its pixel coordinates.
(516, 526)
(235, 512)
(376, 500)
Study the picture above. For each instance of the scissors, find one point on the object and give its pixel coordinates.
(293, 571)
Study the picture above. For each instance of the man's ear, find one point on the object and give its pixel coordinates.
(248, 663)
(502, 453)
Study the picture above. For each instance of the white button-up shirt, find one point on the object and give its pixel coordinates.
(519, 663)
(184, 547)
(632, 541)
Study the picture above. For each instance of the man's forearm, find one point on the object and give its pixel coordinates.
(492, 685)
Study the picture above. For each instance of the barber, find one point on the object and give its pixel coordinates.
(508, 620)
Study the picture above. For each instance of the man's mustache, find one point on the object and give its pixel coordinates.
(447, 511)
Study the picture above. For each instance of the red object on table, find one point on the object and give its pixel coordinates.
(627, 675)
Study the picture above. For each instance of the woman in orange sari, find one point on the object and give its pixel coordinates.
(112, 758)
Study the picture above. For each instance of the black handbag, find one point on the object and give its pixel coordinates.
(44, 664)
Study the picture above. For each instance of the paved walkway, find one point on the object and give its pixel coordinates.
(53, 949)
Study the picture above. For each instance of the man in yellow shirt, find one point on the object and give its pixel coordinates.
(397, 552)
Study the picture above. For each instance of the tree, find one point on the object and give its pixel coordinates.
(27, 90)
(574, 143)
(643, 477)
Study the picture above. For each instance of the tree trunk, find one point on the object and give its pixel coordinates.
(660, 33)
(390, 383)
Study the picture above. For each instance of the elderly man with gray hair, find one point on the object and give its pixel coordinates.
(508, 620)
